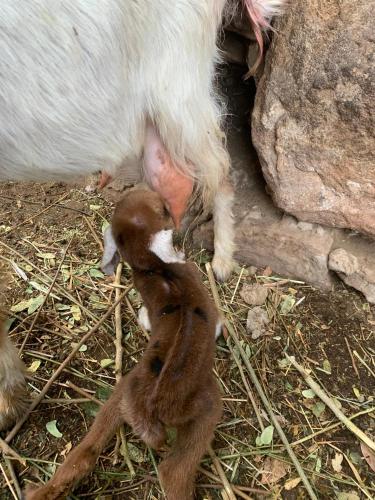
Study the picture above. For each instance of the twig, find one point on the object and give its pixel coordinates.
(273, 418)
(63, 401)
(351, 357)
(32, 217)
(57, 372)
(237, 285)
(125, 451)
(363, 362)
(238, 490)
(83, 393)
(94, 235)
(118, 365)
(259, 388)
(118, 326)
(39, 203)
(331, 427)
(46, 279)
(14, 477)
(227, 487)
(331, 405)
(249, 391)
(8, 483)
(361, 484)
(45, 299)
(7, 450)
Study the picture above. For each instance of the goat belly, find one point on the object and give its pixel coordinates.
(69, 105)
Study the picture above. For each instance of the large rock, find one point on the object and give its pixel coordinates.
(314, 118)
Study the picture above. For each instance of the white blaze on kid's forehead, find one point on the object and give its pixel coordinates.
(162, 246)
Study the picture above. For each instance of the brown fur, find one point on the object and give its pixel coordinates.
(13, 394)
(173, 384)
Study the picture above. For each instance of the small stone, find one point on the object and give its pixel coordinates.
(252, 270)
(267, 271)
(257, 321)
(305, 226)
(356, 271)
(254, 295)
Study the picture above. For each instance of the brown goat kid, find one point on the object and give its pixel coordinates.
(173, 384)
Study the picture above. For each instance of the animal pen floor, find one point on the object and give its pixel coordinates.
(51, 234)
(324, 331)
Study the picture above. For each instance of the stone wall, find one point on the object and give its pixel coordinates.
(313, 123)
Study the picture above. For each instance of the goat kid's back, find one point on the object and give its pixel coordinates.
(183, 323)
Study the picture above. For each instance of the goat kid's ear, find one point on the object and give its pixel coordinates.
(111, 256)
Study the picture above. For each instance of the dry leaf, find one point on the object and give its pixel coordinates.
(34, 366)
(273, 470)
(337, 461)
(347, 495)
(292, 483)
(369, 456)
(76, 312)
(67, 449)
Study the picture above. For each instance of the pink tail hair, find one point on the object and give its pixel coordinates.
(260, 13)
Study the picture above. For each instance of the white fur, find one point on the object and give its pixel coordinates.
(270, 8)
(143, 318)
(110, 257)
(162, 246)
(78, 79)
(224, 233)
(218, 329)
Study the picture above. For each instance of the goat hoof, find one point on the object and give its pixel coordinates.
(222, 267)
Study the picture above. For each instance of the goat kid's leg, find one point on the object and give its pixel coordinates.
(13, 394)
(177, 471)
(224, 233)
(81, 460)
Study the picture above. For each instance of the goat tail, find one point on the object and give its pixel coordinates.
(260, 13)
(177, 471)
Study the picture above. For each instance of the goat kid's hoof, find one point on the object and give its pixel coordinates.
(222, 267)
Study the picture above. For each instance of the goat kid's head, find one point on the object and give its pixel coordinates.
(141, 232)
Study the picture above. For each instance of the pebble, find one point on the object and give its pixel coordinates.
(254, 295)
(257, 322)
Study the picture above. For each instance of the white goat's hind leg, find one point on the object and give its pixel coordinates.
(13, 394)
(224, 233)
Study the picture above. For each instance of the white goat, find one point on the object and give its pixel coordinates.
(86, 85)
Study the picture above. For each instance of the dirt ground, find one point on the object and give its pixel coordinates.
(54, 231)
